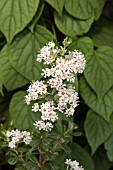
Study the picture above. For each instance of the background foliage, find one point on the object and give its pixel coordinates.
(26, 26)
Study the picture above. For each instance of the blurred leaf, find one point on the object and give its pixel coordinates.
(15, 15)
(21, 113)
(101, 160)
(66, 148)
(79, 8)
(4, 106)
(10, 77)
(99, 70)
(72, 26)
(13, 161)
(102, 32)
(36, 17)
(77, 153)
(109, 147)
(97, 129)
(26, 44)
(103, 107)
(57, 5)
(32, 166)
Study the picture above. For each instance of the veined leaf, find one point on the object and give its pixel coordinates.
(71, 26)
(84, 9)
(36, 17)
(23, 59)
(102, 32)
(57, 5)
(21, 113)
(97, 129)
(99, 70)
(98, 7)
(83, 44)
(10, 77)
(103, 107)
(15, 15)
(79, 8)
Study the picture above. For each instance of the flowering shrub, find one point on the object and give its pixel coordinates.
(51, 108)
(55, 95)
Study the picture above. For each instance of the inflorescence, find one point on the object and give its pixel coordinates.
(16, 136)
(55, 93)
(73, 165)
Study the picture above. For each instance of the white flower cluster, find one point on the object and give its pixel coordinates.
(73, 165)
(16, 136)
(59, 75)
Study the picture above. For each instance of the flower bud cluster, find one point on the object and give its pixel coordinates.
(57, 84)
(16, 136)
(73, 165)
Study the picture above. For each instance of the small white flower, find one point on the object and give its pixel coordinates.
(48, 126)
(8, 134)
(35, 108)
(12, 144)
(74, 165)
(27, 139)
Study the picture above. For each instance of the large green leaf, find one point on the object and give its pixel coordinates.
(21, 113)
(84, 9)
(109, 147)
(26, 44)
(99, 70)
(101, 161)
(57, 5)
(98, 7)
(37, 16)
(77, 153)
(71, 26)
(15, 15)
(10, 77)
(102, 32)
(97, 129)
(103, 107)
(79, 8)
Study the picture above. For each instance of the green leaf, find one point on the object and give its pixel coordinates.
(102, 32)
(15, 15)
(97, 129)
(33, 166)
(36, 17)
(10, 77)
(21, 113)
(79, 8)
(26, 44)
(77, 153)
(84, 9)
(109, 147)
(101, 160)
(103, 107)
(83, 44)
(13, 161)
(99, 70)
(98, 7)
(71, 26)
(57, 5)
